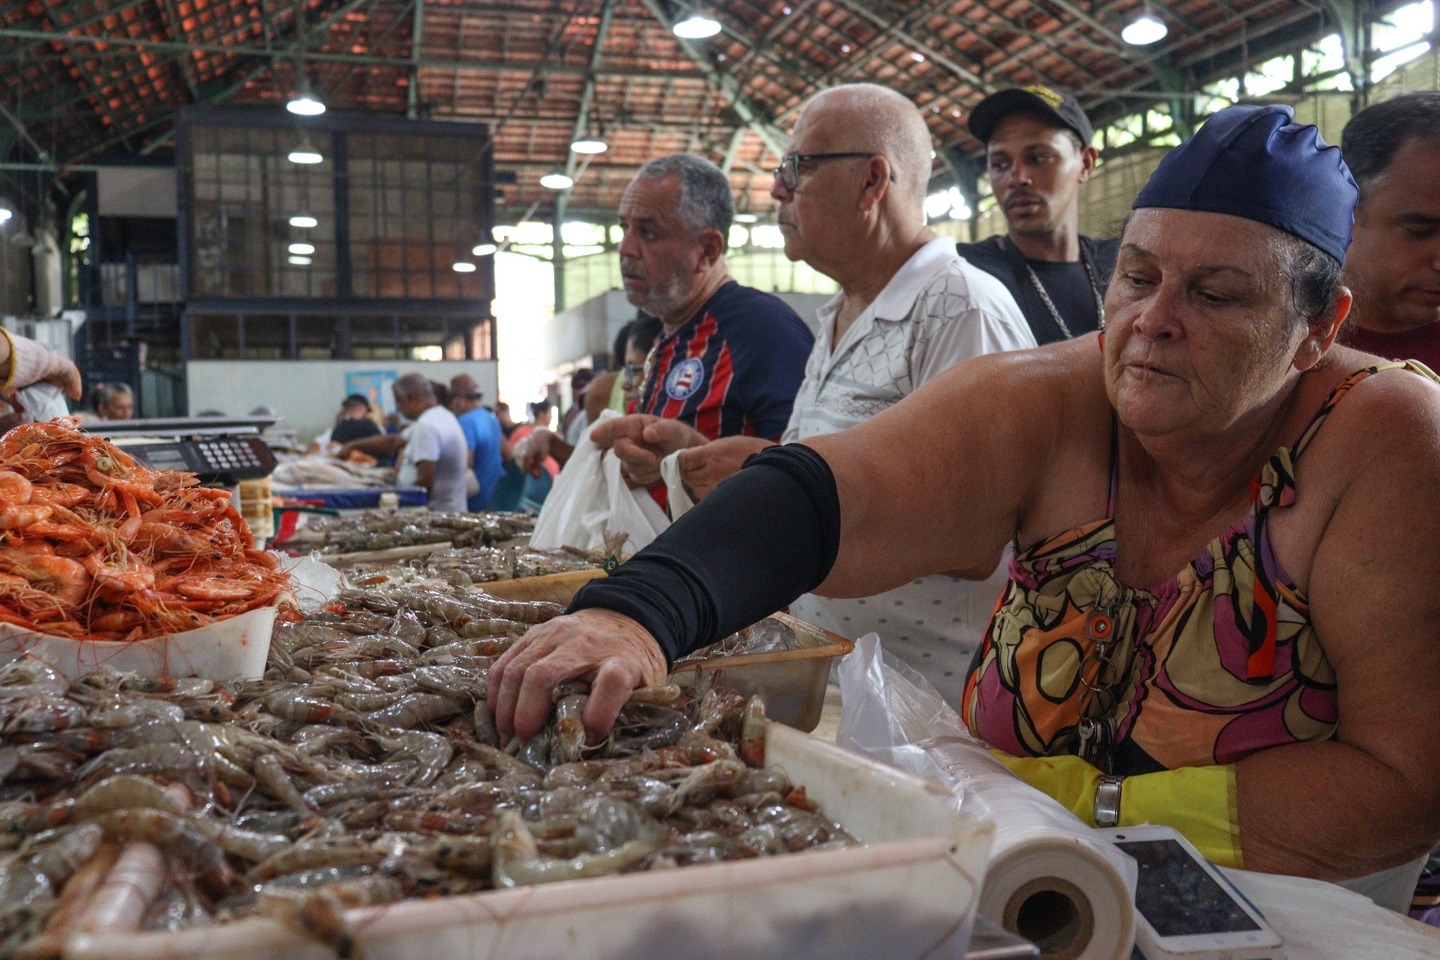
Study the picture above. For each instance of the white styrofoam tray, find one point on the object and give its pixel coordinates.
(910, 892)
(231, 649)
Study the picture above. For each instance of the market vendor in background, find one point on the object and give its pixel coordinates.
(1223, 611)
(352, 423)
(730, 358)
(851, 189)
(113, 401)
(432, 452)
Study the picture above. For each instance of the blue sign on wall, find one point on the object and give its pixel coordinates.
(375, 386)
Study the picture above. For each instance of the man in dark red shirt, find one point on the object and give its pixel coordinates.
(1393, 264)
(730, 358)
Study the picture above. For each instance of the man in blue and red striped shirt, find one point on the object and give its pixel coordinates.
(730, 358)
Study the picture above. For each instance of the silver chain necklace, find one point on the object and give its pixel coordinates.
(1050, 304)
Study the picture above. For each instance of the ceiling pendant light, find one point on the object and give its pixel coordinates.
(697, 26)
(463, 266)
(304, 221)
(589, 145)
(1144, 30)
(305, 153)
(305, 103)
(5, 214)
(556, 181)
(484, 249)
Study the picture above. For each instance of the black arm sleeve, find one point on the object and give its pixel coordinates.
(762, 538)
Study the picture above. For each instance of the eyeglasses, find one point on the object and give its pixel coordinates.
(788, 173)
(632, 373)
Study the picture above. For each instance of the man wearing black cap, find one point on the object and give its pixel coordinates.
(1038, 153)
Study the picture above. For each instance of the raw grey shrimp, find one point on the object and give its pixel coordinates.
(121, 791)
(178, 838)
(518, 860)
(430, 751)
(341, 851)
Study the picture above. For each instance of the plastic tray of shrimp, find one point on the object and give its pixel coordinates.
(910, 889)
(782, 659)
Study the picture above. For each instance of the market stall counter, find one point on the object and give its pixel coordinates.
(350, 498)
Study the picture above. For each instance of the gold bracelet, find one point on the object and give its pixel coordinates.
(9, 377)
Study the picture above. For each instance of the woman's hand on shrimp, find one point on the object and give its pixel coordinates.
(610, 650)
(641, 441)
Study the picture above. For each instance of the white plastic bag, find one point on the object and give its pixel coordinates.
(590, 502)
(680, 501)
(40, 402)
(632, 512)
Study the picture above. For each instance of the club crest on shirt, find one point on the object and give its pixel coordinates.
(685, 378)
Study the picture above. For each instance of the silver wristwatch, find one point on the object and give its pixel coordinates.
(1107, 801)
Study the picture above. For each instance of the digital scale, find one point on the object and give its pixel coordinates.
(220, 451)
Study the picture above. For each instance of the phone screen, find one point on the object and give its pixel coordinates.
(1177, 896)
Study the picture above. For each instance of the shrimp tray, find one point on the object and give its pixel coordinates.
(791, 681)
(909, 891)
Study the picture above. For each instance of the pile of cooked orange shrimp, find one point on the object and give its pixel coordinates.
(97, 546)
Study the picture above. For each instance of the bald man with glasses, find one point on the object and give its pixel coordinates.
(909, 308)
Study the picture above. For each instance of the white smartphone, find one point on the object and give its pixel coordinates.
(1185, 908)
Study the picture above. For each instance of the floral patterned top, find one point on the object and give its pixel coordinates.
(1206, 668)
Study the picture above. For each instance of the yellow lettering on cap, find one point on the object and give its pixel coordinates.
(1051, 98)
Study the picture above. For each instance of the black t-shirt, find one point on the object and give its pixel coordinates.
(347, 430)
(1067, 283)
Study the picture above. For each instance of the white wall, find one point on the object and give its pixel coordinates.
(307, 393)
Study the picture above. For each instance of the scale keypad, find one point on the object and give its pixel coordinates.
(229, 454)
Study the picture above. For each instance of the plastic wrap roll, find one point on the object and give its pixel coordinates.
(1051, 878)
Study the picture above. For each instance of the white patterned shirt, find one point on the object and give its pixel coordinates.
(935, 312)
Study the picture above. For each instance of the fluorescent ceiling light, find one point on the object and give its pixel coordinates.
(484, 249)
(746, 218)
(303, 220)
(589, 145)
(300, 261)
(556, 181)
(697, 26)
(1144, 30)
(303, 249)
(463, 266)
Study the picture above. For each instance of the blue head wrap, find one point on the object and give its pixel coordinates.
(1258, 163)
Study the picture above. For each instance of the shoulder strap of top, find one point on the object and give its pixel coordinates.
(1275, 486)
(1342, 388)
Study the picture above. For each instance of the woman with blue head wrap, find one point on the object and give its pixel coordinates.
(1225, 595)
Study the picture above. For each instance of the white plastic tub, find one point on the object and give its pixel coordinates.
(911, 892)
(232, 649)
